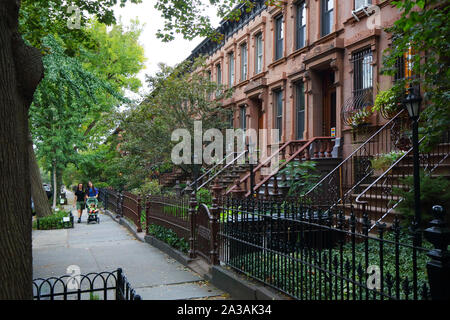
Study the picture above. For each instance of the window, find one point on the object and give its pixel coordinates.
(300, 25)
(219, 74)
(244, 62)
(279, 37)
(300, 109)
(231, 120)
(404, 66)
(279, 112)
(209, 77)
(327, 16)
(259, 53)
(243, 118)
(231, 69)
(363, 74)
(219, 79)
(359, 4)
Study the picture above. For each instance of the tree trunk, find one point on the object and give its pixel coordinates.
(55, 187)
(21, 70)
(41, 204)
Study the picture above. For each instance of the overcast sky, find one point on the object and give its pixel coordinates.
(157, 51)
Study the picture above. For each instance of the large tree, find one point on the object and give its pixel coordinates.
(178, 97)
(21, 70)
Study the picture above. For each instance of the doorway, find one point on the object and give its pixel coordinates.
(329, 104)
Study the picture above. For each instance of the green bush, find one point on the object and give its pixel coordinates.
(51, 222)
(150, 187)
(168, 236)
(384, 161)
(204, 196)
(433, 191)
(303, 176)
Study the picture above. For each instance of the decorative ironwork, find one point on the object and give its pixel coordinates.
(109, 285)
(356, 170)
(312, 254)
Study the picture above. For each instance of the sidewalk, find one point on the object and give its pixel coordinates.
(108, 246)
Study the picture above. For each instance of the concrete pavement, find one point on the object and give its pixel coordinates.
(108, 246)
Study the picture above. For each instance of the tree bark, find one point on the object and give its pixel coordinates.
(55, 187)
(21, 70)
(41, 204)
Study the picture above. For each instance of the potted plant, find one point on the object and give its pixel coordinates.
(381, 162)
(359, 118)
(389, 102)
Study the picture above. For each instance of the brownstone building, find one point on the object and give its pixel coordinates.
(299, 67)
(312, 69)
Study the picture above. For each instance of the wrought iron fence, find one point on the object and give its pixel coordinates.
(169, 212)
(313, 254)
(132, 208)
(108, 285)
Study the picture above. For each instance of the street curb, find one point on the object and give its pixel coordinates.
(240, 288)
(167, 249)
(124, 222)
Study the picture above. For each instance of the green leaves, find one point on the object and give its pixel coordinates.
(302, 176)
(424, 26)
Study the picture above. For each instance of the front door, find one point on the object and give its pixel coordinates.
(329, 104)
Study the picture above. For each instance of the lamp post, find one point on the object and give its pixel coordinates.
(412, 104)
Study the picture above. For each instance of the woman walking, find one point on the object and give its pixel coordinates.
(80, 198)
(92, 192)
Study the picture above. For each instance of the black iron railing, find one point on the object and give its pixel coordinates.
(337, 187)
(92, 286)
(378, 197)
(312, 254)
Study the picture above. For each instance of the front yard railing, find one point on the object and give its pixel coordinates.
(92, 286)
(312, 254)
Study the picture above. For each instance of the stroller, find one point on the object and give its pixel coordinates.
(92, 209)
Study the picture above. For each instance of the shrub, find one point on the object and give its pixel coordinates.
(168, 236)
(303, 176)
(384, 161)
(150, 187)
(204, 196)
(433, 191)
(51, 222)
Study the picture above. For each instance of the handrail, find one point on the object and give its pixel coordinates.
(223, 169)
(358, 200)
(353, 153)
(286, 144)
(282, 165)
(382, 176)
(207, 172)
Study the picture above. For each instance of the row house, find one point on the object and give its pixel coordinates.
(306, 68)
(302, 67)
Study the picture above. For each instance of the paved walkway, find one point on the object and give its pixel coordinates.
(108, 246)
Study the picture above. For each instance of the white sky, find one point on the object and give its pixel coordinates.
(157, 51)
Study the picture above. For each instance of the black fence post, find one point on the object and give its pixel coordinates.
(215, 211)
(438, 268)
(120, 206)
(192, 222)
(105, 204)
(119, 286)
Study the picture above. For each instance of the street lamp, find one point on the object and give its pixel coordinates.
(412, 104)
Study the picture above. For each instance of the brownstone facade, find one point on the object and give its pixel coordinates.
(300, 67)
